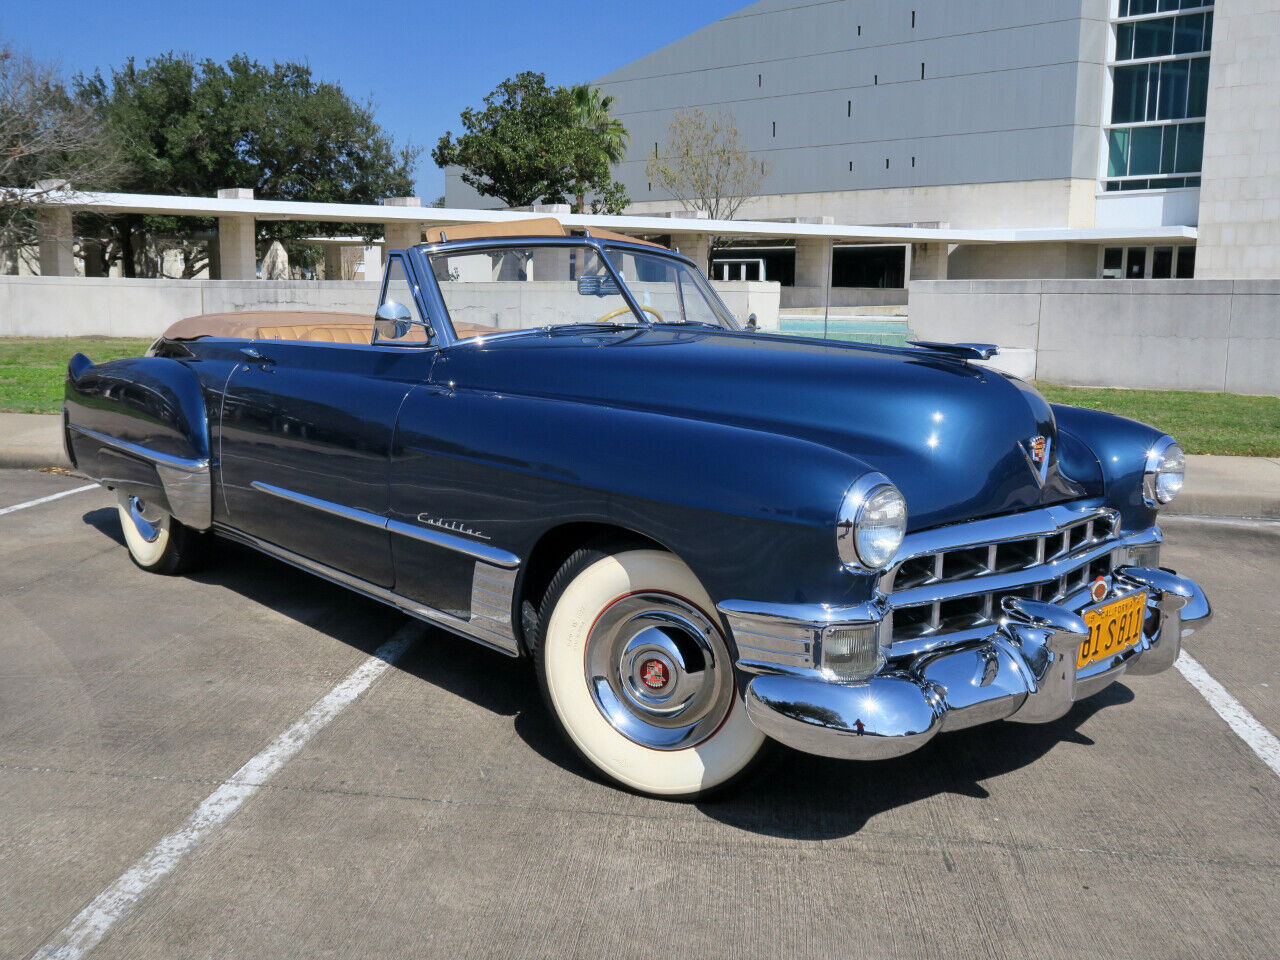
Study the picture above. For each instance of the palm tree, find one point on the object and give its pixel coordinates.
(594, 114)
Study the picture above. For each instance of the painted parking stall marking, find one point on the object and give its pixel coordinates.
(113, 903)
(53, 496)
(1259, 739)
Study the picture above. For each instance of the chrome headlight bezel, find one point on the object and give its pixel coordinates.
(867, 492)
(1164, 472)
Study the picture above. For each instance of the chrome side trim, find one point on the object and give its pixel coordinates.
(187, 484)
(324, 506)
(483, 630)
(476, 551)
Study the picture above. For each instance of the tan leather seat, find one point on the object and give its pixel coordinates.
(302, 325)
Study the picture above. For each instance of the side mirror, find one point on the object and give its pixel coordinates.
(392, 321)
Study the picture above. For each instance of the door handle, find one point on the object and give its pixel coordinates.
(254, 356)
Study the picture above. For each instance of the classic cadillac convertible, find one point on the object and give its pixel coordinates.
(567, 449)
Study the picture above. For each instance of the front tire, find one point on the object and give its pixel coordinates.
(157, 542)
(638, 675)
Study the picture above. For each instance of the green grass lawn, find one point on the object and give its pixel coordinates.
(1225, 423)
(32, 368)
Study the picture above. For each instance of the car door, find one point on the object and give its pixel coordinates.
(305, 438)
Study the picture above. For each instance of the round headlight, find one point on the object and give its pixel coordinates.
(871, 524)
(1162, 478)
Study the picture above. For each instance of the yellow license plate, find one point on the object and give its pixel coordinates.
(1113, 627)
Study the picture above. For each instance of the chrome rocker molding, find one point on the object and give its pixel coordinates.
(187, 484)
(1023, 670)
(491, 596)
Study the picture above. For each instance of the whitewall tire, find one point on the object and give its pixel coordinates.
(157, 542)
(636, 671)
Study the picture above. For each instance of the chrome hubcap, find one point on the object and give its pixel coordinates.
(658, 670)
(147, 519)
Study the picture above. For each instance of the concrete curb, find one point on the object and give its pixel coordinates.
(1216, 486)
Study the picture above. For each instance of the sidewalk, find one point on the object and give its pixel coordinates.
(1216, 486)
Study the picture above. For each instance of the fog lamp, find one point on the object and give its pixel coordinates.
(852, 651)
(1145, 555)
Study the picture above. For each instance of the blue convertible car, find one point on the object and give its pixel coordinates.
(566, 448)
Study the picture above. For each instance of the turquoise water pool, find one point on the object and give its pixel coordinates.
(888, 331)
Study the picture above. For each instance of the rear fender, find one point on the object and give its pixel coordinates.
(139, 426)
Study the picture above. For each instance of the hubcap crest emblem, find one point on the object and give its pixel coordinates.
(654, 674)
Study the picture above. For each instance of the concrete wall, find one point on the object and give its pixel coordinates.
(810, 297)
(1240, 196)
(76, 306)
(1007, 261)
(1157, 334)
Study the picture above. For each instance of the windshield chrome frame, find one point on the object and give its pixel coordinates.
(420, 257)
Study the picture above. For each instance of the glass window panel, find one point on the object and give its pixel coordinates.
(1162, 263)
(1173, 90)
(1138, 7)
(1208, 30)
(1197, 86)
(1137, 265)
(1133, 184)
(1113, 186)
(1167, 149)
(1168, 5)
(1188, 33)
(1144, 150)
(1118, 154)
(1124, 41)
(1113, 263)
(1186, 262)
(1153, 92)
(1193, 181)
(1153, 38)
(1190, 147)
(1129, 93)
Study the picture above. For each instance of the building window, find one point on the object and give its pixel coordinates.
(875, 79)
(1162, 263)
(759, 79)
(851, 166)
(913, 19)
(922, 70)
(1136, 263)
(859, 29)
(848, 108)
(1159, 84)
(886, 163)
(913, 161)
(1113, 263)
(775, 128)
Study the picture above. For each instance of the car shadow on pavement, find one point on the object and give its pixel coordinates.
(805, 797)
(793, 795)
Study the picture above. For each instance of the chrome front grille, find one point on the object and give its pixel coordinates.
(953, 579)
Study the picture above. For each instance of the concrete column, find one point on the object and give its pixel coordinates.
(237, 258)
(928, 261)
(402, 234)
(548, 263)
(56, 233)
(697, 247)
(373, 263)
(333, 261)
(57, 243)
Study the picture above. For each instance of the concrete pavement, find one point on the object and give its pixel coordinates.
(439, 816)
(1216, 486)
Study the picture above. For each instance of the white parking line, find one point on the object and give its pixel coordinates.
(1260, 740)
(113, 903)
(53, 496)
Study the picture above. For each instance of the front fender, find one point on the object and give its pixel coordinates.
(751, 512)
(1107, 454)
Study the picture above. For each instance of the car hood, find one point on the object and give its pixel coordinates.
(952, 435)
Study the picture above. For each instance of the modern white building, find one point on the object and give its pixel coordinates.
(1068, 115)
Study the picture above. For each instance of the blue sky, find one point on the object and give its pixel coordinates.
(421, 62)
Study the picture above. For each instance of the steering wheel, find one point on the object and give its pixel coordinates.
(621, 310)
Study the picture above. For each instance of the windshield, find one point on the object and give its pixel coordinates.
(531, 286)
(668, 290)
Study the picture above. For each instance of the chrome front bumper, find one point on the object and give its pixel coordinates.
(1023, 670)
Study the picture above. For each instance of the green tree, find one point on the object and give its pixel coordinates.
(595, 115)
(528, 145)
(190, 128)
